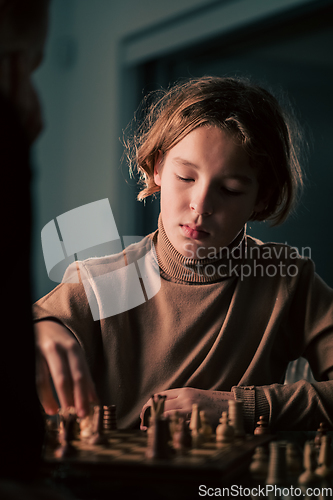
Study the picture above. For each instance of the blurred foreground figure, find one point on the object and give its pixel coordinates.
(23, 27)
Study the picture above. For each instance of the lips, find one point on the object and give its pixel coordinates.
(194, 232)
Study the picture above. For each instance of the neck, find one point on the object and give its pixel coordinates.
(176, 267)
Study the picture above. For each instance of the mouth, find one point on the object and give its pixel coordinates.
(194, 232)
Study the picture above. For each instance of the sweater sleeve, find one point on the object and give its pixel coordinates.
(301, 405)
(68, 304)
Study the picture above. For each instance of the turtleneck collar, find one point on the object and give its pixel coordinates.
(175, 267)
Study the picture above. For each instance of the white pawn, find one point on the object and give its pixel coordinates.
(236, 417)
(195, 422)
(293, 459)
(259, 464)
(324, 468)
(277, 468)
(224, 432)
(195, 425)
(205, 430)
(309, 461)
(174, 421)
(86, 427)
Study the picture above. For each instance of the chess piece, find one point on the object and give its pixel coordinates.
(98, 436)
(324, 469)
(293, 460)
(110, 418)
(173, 423)
(195, 424)
(182, 439)
(86, 427)
(321, 431)
(236, 417)
(157, 406)
(205, 430)
(68, 424)
(262, 427)
(51, 433)
(158, 447)
(309, 476)
(150, 428)
(225, 433)
(259, 465)
(277, 468)
(62, 418)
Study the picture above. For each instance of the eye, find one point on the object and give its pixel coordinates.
(184, 179)
(231, 192)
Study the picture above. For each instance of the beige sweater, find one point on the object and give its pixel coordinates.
(232, 323)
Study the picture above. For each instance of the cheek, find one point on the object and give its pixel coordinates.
(241, 210)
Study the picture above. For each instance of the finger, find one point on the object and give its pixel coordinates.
(44, 387)
(173, 404)
(180, 413)
(182, 406)
(84, 391)
(67, 366)
(144, 417)
(61, 376)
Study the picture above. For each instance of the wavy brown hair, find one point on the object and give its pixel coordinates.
(270, 136)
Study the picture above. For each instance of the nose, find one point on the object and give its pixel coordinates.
(202, 203)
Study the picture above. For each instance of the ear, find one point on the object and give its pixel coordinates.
(158, 169)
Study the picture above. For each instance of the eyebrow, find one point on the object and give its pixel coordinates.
(184, 162)
(245, 179)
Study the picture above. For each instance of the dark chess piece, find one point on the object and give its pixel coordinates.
(98, 436)
(182, 439)
(158, 446)
(110, 418)
(262, 427)
(157, 407)
(67, 436)
(51, 433)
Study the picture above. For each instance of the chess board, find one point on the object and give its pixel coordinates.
(122, 465)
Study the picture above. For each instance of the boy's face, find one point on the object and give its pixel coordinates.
(208, 191)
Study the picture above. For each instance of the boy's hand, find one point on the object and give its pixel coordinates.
(181, 400)
(60, 357)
